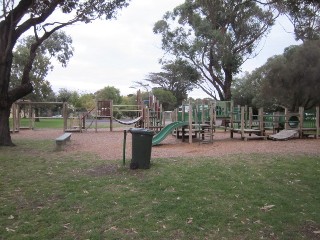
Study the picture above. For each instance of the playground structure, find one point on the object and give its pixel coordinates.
(203, 118)
(27, 109)
(292, 124)
(147, 113)
(105, 110)
(198, 119)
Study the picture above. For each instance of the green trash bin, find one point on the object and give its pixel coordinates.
(141, 147)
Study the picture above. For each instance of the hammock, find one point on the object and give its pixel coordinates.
(128, 122)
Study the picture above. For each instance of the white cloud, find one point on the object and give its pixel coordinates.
(119, 52)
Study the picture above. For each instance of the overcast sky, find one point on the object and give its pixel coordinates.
(119, 52)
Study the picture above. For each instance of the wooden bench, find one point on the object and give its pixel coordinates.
(61, 140)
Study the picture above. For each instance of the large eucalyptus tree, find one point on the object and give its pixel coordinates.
(216, 37)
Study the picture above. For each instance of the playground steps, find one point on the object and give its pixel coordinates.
(285, 135)
(178, 134)
(206, 135)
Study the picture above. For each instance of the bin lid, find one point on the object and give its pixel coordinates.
(142, 131)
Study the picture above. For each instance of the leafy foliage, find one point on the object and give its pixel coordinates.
(109, 93)
(178, 77)
(305, 17)
(215, 37)
(19, 17)
(57, 46)
(290, 80)
(165, 97)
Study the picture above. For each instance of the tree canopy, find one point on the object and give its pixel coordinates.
(216, 37)
(290, 80)
(34, 16)
(178, 77)
(166, 98)
(60, 44)
(304, 15)
(109, 93)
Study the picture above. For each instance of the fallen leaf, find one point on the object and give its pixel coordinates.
(189, 220)
(11, 217)
(316, 232)
(267, 208)
(10, 230)
(66, 225)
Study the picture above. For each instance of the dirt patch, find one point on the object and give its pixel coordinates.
(311, 231)
(107, 169)
(109, 145)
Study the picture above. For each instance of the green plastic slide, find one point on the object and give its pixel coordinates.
(166, 131)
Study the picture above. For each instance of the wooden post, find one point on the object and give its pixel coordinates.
(231, 115)
(250, 117)
(317, 122)
(147, 118)
(182, 112)
(190, 122)
(275, 121)
(31, 117)
(286, 119)
(261, 123)
(203, 112)
(175, 115)
(96, 121)
(301, 119)
(65, 115)
(231, 119)
(242, 122)
(163, 117)
(214, 116)
(211, 114)
(246, 116)
(80, 124)
(111, 115)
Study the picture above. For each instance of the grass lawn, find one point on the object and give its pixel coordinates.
(57, 195)
(56, 123)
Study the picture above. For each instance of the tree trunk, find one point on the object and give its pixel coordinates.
(5, 104)
(5, 139)
(227, 85)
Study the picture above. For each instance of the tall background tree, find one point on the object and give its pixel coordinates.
(178, 77)
(109, 93)
(166, 98)
(216, 37)
(290, 80)
(18, 17)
